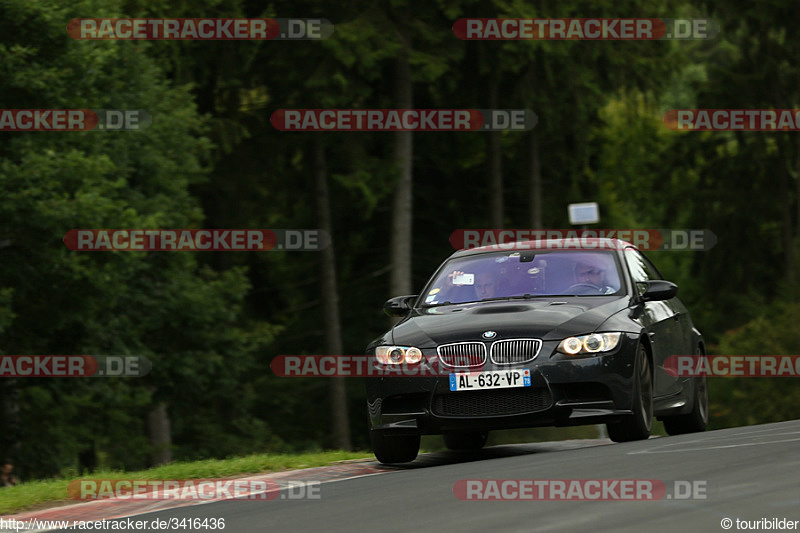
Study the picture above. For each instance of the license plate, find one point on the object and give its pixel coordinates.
(491, 379)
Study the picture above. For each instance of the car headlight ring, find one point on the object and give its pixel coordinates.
(589, 344)
(398, 355)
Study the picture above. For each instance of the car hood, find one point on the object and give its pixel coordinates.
(544, 320)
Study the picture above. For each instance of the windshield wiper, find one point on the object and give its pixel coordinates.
(494, 299)
(522, 297)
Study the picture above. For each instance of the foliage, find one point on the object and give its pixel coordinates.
(212, 322)
(744, 401)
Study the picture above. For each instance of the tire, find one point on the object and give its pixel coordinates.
(638, 425)
(473, 440)
(696, 420)
(393, 449)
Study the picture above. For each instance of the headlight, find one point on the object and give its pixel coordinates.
(570, 346)
(594, 343)
(397, 355)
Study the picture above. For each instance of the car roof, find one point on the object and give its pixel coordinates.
(565, 244)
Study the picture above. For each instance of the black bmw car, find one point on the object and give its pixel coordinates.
(542, 334)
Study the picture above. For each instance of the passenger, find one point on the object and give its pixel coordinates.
(484, 285)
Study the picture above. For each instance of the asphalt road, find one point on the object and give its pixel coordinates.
(748, 473)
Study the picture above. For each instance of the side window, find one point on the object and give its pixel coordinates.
(641, 268)
(652, 271)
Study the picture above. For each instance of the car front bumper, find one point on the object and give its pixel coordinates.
(564, 390)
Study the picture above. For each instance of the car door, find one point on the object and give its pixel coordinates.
(662, 322)
(682, 340)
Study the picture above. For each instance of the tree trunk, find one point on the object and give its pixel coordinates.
(337, 392)
(495, 168)
(788, 236)
(402, 209)
(535, 184)
(794, 240)
(9, 419)
(158, 429)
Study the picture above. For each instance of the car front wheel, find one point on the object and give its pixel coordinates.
(638, 425)
(392, 449)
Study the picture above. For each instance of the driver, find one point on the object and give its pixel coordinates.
(592, 273)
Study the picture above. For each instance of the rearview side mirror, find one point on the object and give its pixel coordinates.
(657, 290)
(399, 305)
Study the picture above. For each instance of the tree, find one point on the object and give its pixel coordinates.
(185, 318)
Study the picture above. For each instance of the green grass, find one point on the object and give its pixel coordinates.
(38, 493)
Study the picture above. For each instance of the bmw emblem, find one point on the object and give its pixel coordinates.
(489, 334)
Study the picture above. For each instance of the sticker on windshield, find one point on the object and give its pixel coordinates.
(464, 279)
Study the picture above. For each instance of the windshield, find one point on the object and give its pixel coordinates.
(526, 274)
